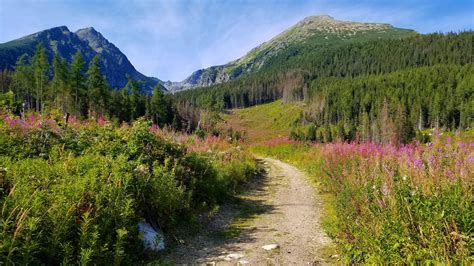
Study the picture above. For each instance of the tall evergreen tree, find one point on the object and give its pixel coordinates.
(40, 68)
(97, 89)
(137, 102)
(77, 81)
(158, 106)
(23, 82)
(60, 93)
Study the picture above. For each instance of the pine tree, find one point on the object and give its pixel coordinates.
(158, 108)
(387, 127)
(404, 128)
(40, 68)
(23, 82)
(97, 89)
(137, 103)
(364, 127)
(60, 84)
(77, 81)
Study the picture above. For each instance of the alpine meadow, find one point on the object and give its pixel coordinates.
(330, 142)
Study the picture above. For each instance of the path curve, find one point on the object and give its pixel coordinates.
(290, 217)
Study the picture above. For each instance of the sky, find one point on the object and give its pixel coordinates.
(170, 39)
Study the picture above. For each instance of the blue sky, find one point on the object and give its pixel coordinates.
(170, 39)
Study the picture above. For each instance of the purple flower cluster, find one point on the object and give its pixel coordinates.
(441, 161)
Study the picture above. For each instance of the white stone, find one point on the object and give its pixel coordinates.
(151, 238)
(270, 247)
(235, 256)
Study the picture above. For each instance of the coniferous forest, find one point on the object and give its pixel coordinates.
(349, 90)
(80, 90)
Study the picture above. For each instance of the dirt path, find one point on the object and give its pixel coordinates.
(282, 209)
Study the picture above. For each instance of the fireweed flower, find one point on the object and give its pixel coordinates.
(450, 175)
(385, 189)
(417, 163)
(431, 160)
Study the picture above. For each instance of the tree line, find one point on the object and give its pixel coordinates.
(353, 91)
(287, 76)
(79, 89)
(388, 108)
(382, 90)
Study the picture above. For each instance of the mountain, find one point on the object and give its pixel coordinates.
(313, 32)
(114, 64)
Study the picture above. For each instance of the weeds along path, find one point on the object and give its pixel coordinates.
(281, 208)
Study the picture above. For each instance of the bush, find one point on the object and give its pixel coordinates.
(76, 195)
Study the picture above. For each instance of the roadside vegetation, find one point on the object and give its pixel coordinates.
(405, 204)
(75, 194)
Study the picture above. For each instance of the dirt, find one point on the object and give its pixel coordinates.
(280, 208)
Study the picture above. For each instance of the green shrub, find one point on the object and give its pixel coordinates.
(76, 195)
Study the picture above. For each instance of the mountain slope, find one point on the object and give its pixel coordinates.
(310, 33)
(114, 64)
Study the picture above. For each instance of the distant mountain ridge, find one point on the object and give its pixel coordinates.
(322, 30)
(114, 64)
(318, 30)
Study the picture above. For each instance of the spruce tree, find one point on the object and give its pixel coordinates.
(23, 82)
(40, 68)
(97, 90)
(158, 108)
(136, 99)
(60, 83)
(77, 81)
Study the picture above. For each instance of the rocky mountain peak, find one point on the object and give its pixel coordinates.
(321, 30)
(95, 40)
(49, 33)
(327, 24)
(317, 18)
(114, 64)
(63, 28)
(89, 32)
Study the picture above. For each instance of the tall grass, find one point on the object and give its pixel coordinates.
(75, 195)
(409, 204)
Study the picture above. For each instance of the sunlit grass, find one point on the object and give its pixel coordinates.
(263, 122)
(409, 204)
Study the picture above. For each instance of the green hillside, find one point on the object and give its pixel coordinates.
(315, 33)
(300, 72)
(265, 121)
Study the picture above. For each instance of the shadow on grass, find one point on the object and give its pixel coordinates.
(229, 226)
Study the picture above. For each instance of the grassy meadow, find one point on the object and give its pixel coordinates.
(262, 122)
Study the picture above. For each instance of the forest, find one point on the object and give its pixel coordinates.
(79, 90)
(350, 88)
(388, 108)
